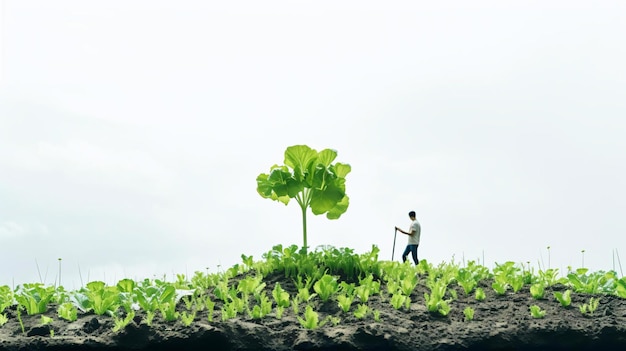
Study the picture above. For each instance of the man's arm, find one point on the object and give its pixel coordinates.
(403, 232)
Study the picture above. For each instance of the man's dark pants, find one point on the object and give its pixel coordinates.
(413, 250)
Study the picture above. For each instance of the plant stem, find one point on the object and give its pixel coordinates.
(304, 244)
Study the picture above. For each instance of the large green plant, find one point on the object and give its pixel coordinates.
(311, 178)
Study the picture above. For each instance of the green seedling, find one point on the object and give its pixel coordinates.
(281, 297)
(67, 311)
(500, 287)
(408, 284)
(311, 178)
(620, 289)
(99, 298)
(6, 297)
(187, 318)
(45, 320)
(516, 282)
(468, 312)
(398, 300)
(251, 285)
(480, 294)
(34, 297)
(564, 298)
(345, 302)
(376, 314)
(19, 317)
(466, 280)
(310, 320)
(590, 307)
(361, 311)
(121, 323)
(210, 306)
(263, 309)
(326, 286)
(168, 311)
(3, 319)
(550, 277)
(295, 304)
(595, 283)
(333, 320)
(150, 317)
(434, 300)
(229, 311)
(537, 312)
(537, 291)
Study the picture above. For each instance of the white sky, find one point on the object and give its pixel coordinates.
(132, 132)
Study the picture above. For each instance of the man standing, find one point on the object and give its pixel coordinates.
(414, 238)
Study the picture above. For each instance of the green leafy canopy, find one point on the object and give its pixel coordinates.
(312, 179)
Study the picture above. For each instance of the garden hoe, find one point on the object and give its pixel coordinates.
(394, 242)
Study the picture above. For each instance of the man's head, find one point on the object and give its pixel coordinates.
(412, 214)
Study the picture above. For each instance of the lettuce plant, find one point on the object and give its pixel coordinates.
(157, 296)
(595, 283)
(434, 300)
(101, 298)
(398, 300)
(500, 287)
(34, 297)
(564, 298)
(121, 323)
(550, 276)
(479, 294)
(590, 307)
(361, 311)
(45, 320)
(262, 309)
(229, 311)
(408, 284)
(188, 318)
(537, 312)
(210, 306)
(468, 312)
(465, 279)
(620, 289)
(376, 314)
(280, 296)
(537, 290)
(67, 311)
(326, 286)
(168, 311)
(6, 297)
(311, 178)
(367, 286)
(310, 319)
(517, 282)
(345, 302)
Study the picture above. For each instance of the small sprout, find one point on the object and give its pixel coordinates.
(469, 313)
(480, 294)
(537, 312)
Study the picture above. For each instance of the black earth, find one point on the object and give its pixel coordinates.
(501, 322)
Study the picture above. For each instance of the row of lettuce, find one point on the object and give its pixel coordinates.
(326, 275)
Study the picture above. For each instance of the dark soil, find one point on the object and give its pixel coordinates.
(500, 323)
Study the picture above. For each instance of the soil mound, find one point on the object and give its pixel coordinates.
(501, 322)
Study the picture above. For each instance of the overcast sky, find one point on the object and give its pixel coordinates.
(132, 132)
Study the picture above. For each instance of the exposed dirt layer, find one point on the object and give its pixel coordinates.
(500, 323)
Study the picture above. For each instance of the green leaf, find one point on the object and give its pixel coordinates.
(340, 208)
(326, 157)
(325, 200)
(341, 169)
(301, 159)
